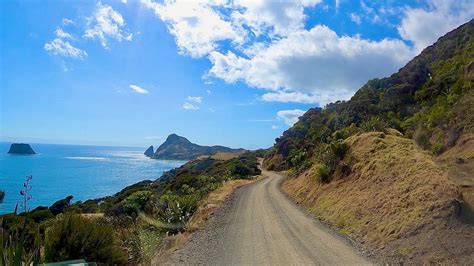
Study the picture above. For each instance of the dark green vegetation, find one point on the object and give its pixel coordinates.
(21, 148)
(127, 227)
(179, 148)
(73, 236)
(431, 100)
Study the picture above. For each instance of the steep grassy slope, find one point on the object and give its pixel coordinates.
(394, 199)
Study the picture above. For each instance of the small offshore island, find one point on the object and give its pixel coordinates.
(21, 148)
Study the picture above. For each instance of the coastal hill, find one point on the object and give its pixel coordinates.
(179, 148)
(392, 168)
(21, 148)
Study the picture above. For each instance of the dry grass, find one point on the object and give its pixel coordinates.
(463, 149)
(223, 156)
(395, 200)
(93, 215)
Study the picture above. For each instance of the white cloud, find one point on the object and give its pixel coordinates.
(61, 46)
(209, 92)
(192, 103)
(190, 106)
(138, 89)
(195, 99)
(312, 64)
(67, 21)
(424, 27)
(198, 26)
(275, 127)
(106, 23)
(355, 18)
(64, 48)
(60, 33)
(290, 117)
(195, 24)
(266, 45)
(266, 16)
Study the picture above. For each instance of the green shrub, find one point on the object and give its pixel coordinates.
(139, 201)
(322, 173)
(437, 148)
(271, 167)
(61, 205)
(176, 210)
(422, 138)
(41, 215)
(75, 237)
(373, 124)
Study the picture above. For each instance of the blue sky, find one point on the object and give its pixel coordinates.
(232, 73)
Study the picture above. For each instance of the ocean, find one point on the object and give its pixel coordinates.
(85, 172)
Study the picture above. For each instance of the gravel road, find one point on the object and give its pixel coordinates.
(259, 225)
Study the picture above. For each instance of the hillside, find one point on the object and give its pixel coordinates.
(430, 100)
(393, 166)
(394, 199)
(179, 148)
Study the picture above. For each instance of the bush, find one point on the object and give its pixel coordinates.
(422, 138)
(322, 173)
(176, 210)
(139, 201)
(75, 237)
(437, 148)
(40, 215)
(373, 124)
(61, 205)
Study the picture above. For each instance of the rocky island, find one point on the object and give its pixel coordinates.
(149, 152)
(21, 148)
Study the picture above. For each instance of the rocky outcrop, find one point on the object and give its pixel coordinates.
(21, 148)
(179, 148)
(149, 152)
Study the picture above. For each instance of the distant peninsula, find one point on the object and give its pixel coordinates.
(179, 148)
(21, 148)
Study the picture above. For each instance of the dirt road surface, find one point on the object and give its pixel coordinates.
(259, 225)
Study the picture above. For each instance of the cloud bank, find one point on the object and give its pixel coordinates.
(266, 45)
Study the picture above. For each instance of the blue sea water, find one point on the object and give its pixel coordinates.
(85, 172)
